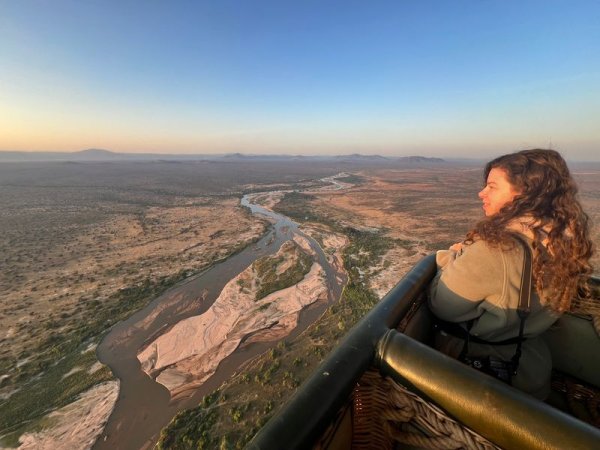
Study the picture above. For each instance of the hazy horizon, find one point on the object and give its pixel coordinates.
(467, 158)
(461, 80)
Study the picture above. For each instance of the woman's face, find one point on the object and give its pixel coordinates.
(497, 192)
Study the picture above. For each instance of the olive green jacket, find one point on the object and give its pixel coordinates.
(483, 283)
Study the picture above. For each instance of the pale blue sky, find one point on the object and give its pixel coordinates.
(437, 78)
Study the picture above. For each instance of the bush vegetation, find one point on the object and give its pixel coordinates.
(190, 429)
(270, 281)
(51, 387)
(297, 206)
(352, 179)
(40, 384)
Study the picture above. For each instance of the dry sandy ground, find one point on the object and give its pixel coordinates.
(373, 206)
(77, 425)
(190, 352)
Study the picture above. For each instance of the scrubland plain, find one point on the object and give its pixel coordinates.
(84, 245)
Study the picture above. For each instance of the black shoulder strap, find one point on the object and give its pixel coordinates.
(526, 276)
(524, 307)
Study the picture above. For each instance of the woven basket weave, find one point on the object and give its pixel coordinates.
(386, 414)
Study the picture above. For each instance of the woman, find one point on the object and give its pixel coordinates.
(530, 193)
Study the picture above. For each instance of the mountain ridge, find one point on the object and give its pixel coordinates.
(99, 154)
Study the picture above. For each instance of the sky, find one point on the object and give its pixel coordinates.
(434, 78)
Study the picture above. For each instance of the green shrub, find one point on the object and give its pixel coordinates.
(271, 282)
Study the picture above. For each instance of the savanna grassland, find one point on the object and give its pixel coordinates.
(84, 245)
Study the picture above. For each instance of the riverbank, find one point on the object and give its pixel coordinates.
(185, 356)
(77, 425)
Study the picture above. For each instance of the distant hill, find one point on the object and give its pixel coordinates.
(253, 157)
(359, 157)
(98, 154)
(90, 155)
(419, 159)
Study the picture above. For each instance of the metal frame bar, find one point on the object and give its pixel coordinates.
(506, 416)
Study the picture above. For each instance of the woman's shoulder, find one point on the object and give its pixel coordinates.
(478, 266)
(498, 265)
(481, 250)
(473, 252)
(473, 274)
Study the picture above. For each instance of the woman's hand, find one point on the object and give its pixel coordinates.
(456, 247)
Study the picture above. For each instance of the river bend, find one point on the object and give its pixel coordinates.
(144, 406)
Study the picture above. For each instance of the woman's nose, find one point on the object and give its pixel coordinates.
(481, 193)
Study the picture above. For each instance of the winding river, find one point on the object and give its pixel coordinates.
(144, 406)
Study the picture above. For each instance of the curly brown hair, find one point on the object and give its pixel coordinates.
(547, 201)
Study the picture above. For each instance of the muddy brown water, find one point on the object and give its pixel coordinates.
(144, 406)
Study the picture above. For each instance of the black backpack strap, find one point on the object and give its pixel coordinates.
(457, 330)
(524, 307)
(466, 335)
